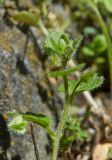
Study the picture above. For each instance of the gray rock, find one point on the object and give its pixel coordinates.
(22, 84)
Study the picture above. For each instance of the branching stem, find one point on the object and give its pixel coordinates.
(73, 93)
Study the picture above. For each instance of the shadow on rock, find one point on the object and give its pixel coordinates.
(4, 139)
(16, 157)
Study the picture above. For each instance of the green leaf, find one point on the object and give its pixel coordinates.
(18, 125)
(90, 84)
(27, 17)
(54, 43)
(59, 44)
(71, 86)
(99, 44)
(100, 60)
(67, 71)
(13, 114)
(85, 76)
(88, 81)
(20, 121)
(54, 60)
(87, 51)
(74, 132)
(72, 47)
(77, 43)
(65, 142)
(39, 119)
(73, 125)
(90, 30)
(108, 4)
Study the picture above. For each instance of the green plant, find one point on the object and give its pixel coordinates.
(95, 50)
(1, 1)
(109, 154)
(103, 26)
(94, 6)
(97, 46)
(61, 50)
(31, 17)
(73, 131)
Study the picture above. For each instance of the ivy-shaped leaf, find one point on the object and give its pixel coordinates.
(56, 43)
(88, 81)
(86, 75)
(20, 120)
(18, 125)
(72, 47)
(54, 60)
(74, 132)
(67, 71)
(52, 42)
(59, 44)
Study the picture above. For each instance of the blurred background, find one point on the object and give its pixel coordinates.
(24, 85)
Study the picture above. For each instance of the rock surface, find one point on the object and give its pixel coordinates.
(23, 87)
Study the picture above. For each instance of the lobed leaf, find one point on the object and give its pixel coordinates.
(54, 60)
(52, 42)
(67, 71)
(18, 125)
(85, 76)
(20, 120)
(72, 47)
(74, 132)
(88, 82)
(60, 45)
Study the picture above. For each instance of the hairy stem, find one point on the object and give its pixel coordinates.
(34, 142)
(62, 121)
(108, 39)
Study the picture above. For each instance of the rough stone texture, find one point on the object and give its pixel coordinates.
(23, 87)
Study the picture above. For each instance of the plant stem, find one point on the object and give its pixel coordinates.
(66, 24)
(42, 27)
(34, 142)
(73, 93)
(62, 121)
(107, 37)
